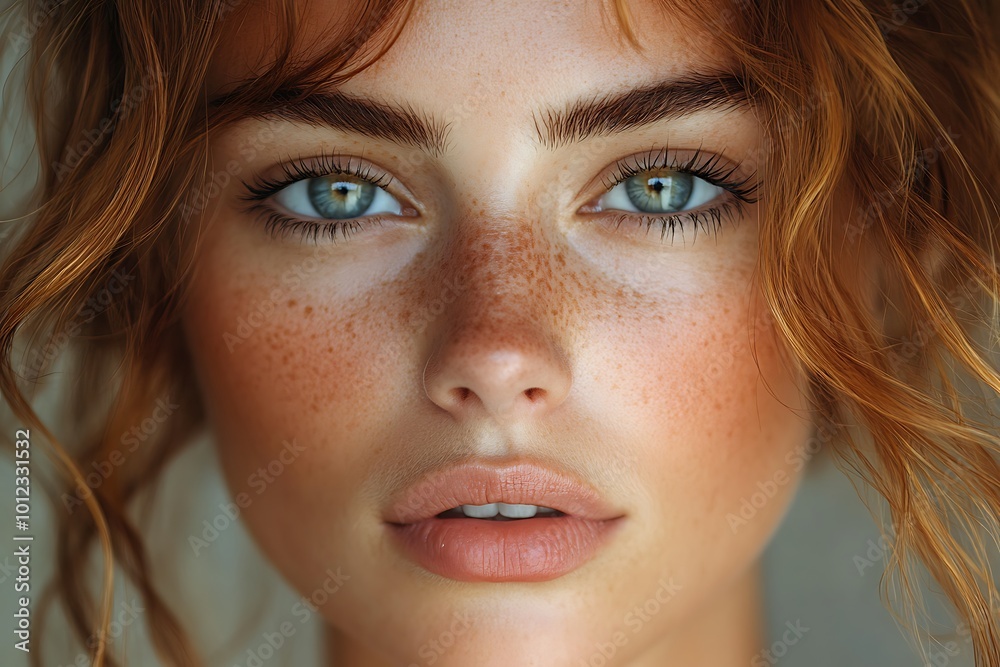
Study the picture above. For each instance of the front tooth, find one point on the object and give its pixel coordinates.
(480, 511)
(517, 511)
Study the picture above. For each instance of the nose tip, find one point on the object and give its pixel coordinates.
(503, 383)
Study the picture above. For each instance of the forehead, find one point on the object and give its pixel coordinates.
(520, 48)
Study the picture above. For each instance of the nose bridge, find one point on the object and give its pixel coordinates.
(497, 341)
(504, 266)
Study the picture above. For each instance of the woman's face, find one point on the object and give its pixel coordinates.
(500, 295)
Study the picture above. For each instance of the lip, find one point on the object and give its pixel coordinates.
(467, 549)
(479, 483)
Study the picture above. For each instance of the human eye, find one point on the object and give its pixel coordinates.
(321, 196)
(669, 191)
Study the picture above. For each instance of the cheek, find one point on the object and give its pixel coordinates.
(719, 455)
(277, 364)
(266, 363)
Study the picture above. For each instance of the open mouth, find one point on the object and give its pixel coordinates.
(543, 524)
(499, 512)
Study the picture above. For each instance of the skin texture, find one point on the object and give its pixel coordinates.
(638, 352)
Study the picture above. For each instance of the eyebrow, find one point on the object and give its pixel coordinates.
(614, 113)
(599, 115)
(371, 118)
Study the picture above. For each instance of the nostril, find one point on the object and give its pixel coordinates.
(534, 392)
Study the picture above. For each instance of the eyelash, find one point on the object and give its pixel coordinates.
(706, 167)
(279, 225)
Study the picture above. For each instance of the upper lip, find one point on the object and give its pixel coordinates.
(480, 483)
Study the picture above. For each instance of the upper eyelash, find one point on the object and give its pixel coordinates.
(296, 170)
(705, 167)
(279, 225)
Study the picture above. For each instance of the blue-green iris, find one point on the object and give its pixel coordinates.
(338, 196)
(662, 192)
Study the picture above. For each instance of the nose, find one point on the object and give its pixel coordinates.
(504, 381)
(498, 351)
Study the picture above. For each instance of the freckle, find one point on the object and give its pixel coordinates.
(292, 303)
(308, 310)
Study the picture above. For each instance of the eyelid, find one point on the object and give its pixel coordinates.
(667, 158)
(703, 165)
(326, 164)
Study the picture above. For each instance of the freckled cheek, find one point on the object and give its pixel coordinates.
(711, 428)
(748, 431)
(301, 367)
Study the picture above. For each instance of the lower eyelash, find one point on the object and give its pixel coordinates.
(705, 167)
(279, 226)
(702, 219)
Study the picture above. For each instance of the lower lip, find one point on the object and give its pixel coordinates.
(536, 549)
